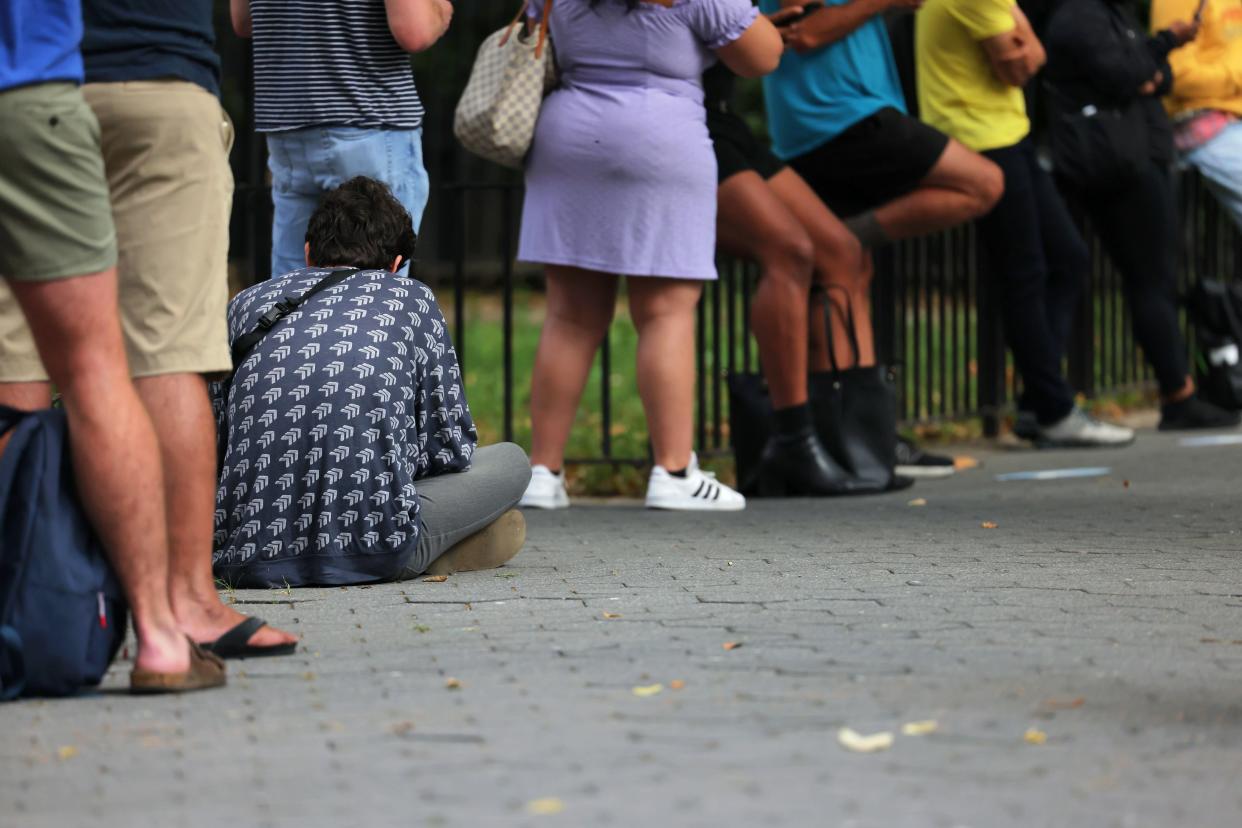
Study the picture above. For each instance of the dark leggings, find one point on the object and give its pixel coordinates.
(1137, 225)
(1039, 263)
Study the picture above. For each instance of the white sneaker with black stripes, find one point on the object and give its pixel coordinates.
(698, 491)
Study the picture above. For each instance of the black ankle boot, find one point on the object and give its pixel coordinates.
(797, 464)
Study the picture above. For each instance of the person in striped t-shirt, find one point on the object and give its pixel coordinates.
(337, 99)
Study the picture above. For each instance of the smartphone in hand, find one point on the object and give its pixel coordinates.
(807, 8)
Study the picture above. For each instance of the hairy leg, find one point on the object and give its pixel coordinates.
(663, 313)
(115, 454)
(962, 186)
(753, 223)
(580, 307)
(840, 267)
(180, 410)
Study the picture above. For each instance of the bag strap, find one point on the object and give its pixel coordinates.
(243, 344)
(9, 418)
(543, 26)
(11, 646)
(851, 328)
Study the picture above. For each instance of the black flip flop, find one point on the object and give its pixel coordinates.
(236, 642)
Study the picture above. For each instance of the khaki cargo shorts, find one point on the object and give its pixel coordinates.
(165, 147)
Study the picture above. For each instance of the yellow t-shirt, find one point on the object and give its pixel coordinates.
(958, 92)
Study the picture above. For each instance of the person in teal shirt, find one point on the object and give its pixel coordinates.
(837, 114)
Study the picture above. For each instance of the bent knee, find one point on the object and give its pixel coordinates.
(508, 465)
(987, 186)
(841, 259)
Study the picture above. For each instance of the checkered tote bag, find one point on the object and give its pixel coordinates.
(497, 113)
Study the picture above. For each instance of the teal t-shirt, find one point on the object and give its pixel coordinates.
(813, 98)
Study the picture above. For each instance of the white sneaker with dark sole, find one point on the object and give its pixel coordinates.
(912, 461)
(545, 490)
(698, 491)
(1078, 429)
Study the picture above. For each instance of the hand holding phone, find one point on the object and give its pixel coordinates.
(807, 9)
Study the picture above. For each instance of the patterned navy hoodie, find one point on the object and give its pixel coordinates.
(326, 426)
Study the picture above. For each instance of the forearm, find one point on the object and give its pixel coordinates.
(239, 15)
(833, 23)
(416, 24)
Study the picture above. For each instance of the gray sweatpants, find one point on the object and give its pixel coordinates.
(455, 506)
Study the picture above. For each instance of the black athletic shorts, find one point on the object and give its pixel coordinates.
(737, 147)
(878, 159)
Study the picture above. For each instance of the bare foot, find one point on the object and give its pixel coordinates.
(162, 650)
(207, 619)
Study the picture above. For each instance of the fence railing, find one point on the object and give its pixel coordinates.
(934, 312)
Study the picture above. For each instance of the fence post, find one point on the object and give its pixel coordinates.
(990, 347)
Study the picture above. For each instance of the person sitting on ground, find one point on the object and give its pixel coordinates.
(348, 450)
(1097, 57)
(838, 117)
(1206, 98)
(973, 58)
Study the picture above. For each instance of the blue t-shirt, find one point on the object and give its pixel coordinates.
(39, 42)
(814, 97)
(134, 40)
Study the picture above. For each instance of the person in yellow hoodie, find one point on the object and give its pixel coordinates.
(1206, 99)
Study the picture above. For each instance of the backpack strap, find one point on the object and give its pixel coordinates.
(243, 344)
(12, 649)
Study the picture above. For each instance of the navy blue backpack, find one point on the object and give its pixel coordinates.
(62, 613)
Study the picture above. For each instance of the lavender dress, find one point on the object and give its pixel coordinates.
(621, 177)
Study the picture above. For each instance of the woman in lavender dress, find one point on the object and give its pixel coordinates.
(621, 181)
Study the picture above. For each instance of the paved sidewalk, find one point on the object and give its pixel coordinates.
(1104, 613)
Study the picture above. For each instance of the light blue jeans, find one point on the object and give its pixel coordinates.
(1220, 161)
(306, 163)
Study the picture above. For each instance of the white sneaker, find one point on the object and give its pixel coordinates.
(545, 490)
(698, 491)
(1080, 430)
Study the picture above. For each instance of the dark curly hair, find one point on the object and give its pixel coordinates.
(360, 224)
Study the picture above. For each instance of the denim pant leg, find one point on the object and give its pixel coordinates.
(1220, 161)
(1013, 237)
(292, 159)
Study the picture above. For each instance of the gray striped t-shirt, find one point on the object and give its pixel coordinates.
(330, 63)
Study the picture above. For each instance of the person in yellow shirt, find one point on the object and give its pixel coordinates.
(1206, 99)
(972, 59)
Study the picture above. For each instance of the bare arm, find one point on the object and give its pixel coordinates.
(833, 23)
(417, 24)
(1017, 55)
(756, 53)
(239, 13)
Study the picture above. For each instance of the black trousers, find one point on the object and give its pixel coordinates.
(1137, 225)
(1040, 264)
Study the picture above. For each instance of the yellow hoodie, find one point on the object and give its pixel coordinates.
(1207, 73)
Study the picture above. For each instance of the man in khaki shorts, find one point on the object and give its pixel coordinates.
(152, 81)
(57, 259)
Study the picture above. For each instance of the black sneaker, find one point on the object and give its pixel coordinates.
(912, 461)
(1194, 413)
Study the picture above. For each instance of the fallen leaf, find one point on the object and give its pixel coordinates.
(452, 684)
(923, 728)
(731, 645)
(918, 501)
(645, 690)
(1064, 704)
(987, 524)
(308, 676)
(1125, 484)
(402, 728)
(676, 684)
(435, 579)
(1035, 736)
(66, 752)
(545, 807)
(964, 463)
(851, 739)
(612, 615)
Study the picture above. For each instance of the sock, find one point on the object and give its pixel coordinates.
(680, 472)
(793, 420)
(868, 230)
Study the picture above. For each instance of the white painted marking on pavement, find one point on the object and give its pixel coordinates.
(1056, 474)
(1211, 440)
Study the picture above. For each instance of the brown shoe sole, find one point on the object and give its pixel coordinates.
(207, 670)
(490, 547)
